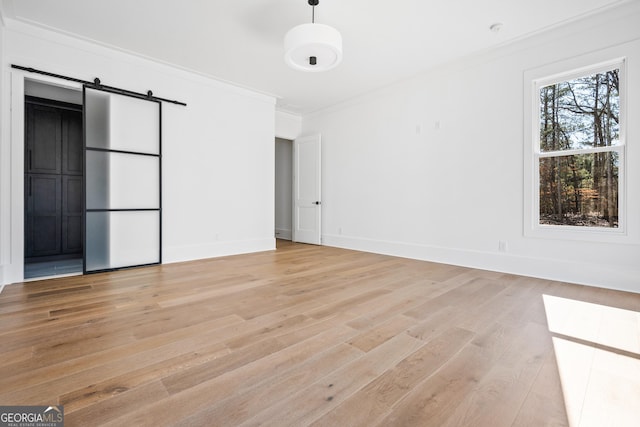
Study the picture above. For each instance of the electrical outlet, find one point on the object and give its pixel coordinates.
(502, 246)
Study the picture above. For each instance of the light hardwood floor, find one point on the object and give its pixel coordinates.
(309, 335)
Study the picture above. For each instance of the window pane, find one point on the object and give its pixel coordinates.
(122, 181)
(580, 113)
(118, 122)
(580, 190)
(121, 239)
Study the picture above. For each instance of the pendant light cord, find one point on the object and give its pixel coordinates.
(313, 4)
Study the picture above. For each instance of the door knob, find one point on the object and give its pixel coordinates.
(316, 203)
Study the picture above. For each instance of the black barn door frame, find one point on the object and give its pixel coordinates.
(97, 84)
(97, 87)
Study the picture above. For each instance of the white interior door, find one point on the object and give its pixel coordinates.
(306, 189)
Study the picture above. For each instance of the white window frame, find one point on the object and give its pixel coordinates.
(534, 80)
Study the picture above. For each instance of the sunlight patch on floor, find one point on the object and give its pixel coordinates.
(598, 353)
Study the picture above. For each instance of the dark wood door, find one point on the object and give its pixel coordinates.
(53, 179)
(43, 139)
(71, 214)
(44, 217)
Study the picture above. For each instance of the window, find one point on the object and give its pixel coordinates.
(578, 151)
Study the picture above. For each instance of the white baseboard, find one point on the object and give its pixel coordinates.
(282, 233)
(171, 254)
(11, 274)
(603, 276)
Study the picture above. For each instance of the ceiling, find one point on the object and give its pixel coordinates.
(240, 41)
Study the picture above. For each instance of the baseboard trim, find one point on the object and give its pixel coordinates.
(282, 233)
(599, 275)
(171, 254)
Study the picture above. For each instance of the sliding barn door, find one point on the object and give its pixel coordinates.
(122, 148)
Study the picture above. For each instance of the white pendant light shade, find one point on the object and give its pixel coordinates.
(313, 47)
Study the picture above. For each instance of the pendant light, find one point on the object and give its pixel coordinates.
(313, 47)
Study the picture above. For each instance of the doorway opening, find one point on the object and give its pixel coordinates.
(118, 175)
(298, 201)
(284, 189)
(53, 173)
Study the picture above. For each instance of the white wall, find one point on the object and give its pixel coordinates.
(284, 186)
(218, 173)
(432, 168)
(288, 125)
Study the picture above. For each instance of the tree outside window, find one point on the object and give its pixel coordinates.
(580, 151)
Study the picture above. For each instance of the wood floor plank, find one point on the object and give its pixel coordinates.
(37, 377)
(544, 405)
(230, 397)
(376, 399)
(499, 395)
(135, 378)
(435, 399)
(381, 333)
(99, 414)
(239, 400)
(314, 401)
(313, 335)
